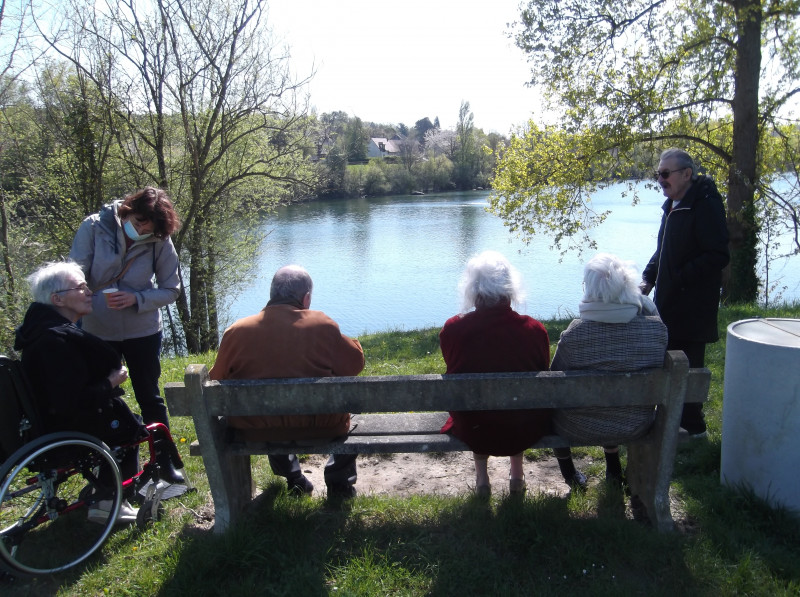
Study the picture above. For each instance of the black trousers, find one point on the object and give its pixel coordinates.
(340, 469)
(143, 360)
(692, 418)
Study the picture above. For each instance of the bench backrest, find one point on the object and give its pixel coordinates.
(422, 393)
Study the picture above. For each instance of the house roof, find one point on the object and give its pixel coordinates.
(390, 145)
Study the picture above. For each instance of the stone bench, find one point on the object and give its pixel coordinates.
(404, 413)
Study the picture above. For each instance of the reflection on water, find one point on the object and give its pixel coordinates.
(394, 262)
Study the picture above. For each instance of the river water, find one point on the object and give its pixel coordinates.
(393, 263)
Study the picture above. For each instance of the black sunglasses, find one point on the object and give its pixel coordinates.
(665, 173)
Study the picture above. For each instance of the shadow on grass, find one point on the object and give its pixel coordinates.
(743, 543)
(12, 585)
(428, 545)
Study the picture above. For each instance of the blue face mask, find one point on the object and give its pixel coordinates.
(130, 231)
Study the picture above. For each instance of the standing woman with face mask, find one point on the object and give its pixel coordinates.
(126, 250)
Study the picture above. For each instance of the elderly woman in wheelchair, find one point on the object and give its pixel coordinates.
(68, 401)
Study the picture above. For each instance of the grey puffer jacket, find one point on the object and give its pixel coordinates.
(99, 248)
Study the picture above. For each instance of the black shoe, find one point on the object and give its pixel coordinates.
(684, 435)
(577, 482)
(693, 422)
(300, 486)
(345, 491)
(615, 479)
(167, 471)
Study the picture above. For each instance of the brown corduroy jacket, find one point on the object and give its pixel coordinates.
(286, 341)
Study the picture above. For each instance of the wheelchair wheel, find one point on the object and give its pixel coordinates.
(150, 511)
(46, 490)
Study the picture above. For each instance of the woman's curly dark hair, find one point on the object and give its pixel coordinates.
(153, 204)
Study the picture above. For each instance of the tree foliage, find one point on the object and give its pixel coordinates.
(355, 141)
(630, 79)
(202, 104)
(466, 150)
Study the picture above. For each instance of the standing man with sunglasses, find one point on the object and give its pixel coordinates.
(686, 268)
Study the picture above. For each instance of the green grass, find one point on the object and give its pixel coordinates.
(731, 543)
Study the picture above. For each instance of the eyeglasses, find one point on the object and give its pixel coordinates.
(82, 287)
(665, 173)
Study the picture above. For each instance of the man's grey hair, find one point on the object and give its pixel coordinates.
(290, 282)
(53, 277)
(608, 279)
(683, 159)
(488, 279)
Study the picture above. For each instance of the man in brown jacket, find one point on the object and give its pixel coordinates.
(287, 339)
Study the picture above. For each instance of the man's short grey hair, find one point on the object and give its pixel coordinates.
(53, 277)
(290, 282)
(608, 279)
(488, 279)
(683, 159)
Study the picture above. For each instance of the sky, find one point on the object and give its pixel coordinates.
(392, 62)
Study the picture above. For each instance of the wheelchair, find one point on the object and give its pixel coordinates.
(48, 482)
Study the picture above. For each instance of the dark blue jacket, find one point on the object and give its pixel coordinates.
(687, 265)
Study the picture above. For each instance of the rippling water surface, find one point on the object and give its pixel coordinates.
(394, 262)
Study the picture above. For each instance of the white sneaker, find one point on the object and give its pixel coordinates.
(99, 513)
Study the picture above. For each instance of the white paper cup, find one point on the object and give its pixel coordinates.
(108, 291)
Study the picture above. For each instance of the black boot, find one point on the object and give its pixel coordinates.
(614, 474)
(573, 477)
(166, 468)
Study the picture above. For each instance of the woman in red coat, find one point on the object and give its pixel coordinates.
(489, 336)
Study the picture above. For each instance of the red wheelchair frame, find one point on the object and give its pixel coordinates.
(48, 484)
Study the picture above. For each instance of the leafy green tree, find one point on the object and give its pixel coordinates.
(329, 126)
(422, 126)
(333, 181)
(210, 112)
(435, 172)
(713, 77)
(466, 150)
(410, 152)
(355, 140)
(400, 180)
(374, 182)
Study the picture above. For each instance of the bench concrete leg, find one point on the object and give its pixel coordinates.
(651, 460)
(232, 488)
(648, 476)
(229, 475)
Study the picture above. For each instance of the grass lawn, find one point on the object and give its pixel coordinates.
(730, 543)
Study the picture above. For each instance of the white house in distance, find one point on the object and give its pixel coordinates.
(380, 147)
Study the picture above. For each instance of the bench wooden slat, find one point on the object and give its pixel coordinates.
(414, 408)
(380, 444)
(435, 393)
(397, 423)
(179, 402)
(381, 433)
(445, 443)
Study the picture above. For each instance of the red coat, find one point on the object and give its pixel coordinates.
(496, 339)
(286, 341)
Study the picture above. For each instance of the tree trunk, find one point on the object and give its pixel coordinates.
(212, 332)
(5, 248)
(185, 315)
(198, 284)
(742, 282)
